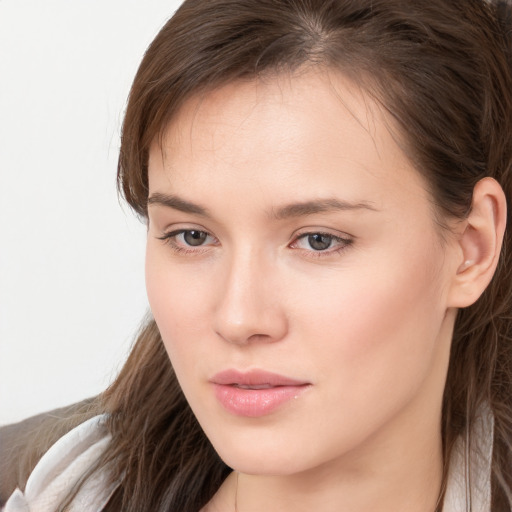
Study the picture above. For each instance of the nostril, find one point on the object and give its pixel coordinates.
(242, 337)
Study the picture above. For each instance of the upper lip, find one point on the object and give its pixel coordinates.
(233, 377)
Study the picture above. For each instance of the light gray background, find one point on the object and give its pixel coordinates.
(71, 257)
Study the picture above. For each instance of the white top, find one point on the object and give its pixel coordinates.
(62, 466)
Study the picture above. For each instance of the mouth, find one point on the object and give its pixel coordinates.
(255, 393)
(246, 386)
(254, 379)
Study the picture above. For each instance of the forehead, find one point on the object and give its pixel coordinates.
(306, 132)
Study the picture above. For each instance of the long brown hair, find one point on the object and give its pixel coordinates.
(443, 71)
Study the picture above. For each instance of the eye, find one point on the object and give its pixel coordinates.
(194, 238)
(184, 240)
(321, 242)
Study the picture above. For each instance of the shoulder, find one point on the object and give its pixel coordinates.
(23, 444)
(64, 473)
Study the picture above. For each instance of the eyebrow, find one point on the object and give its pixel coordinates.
(177, 203)
(299, 209)
(319, 206)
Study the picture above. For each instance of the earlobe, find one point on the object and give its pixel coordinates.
(480, 243)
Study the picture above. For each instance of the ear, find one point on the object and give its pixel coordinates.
(480, 243)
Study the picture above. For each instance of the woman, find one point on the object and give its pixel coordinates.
(325, 187)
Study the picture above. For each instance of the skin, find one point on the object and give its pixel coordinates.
(368, 322)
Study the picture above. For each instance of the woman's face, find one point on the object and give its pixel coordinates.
(297, 276)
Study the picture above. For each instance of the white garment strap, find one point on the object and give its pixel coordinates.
(61, 468)
(469, 476)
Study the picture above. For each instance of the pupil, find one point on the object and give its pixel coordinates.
(319, 242)
(194, 237)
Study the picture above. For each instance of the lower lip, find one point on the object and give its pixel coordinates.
(255, 402)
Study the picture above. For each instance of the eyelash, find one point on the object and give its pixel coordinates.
(170, 239)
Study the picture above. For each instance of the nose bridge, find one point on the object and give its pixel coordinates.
(248, 307)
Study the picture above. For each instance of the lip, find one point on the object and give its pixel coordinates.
(255, 393)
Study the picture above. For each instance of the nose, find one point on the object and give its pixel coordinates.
(249, 308)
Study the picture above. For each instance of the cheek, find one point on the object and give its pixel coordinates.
(378, 326)
(177, 298)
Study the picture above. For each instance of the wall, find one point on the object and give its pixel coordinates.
(71, 256)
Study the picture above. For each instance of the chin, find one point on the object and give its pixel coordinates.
(265, 452)
(263, 464)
